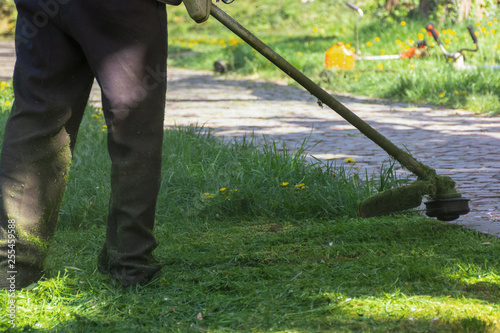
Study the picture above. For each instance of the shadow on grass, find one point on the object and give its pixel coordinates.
(405, 274)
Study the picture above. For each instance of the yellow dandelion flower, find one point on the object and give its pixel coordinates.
(349, 160)
(369, 44)
(456, 92)
(490, 24)
(493, 31)
(442, 94)
(233, 41)
(7, 103)
(380, 66)
(223, 189)
(382, 51)
(478, 24)
(284, 184)
(301, 186)
(420, 35)
(444, 32)
(299, 54)
(403, 23)
(412, 67)
(377, 39)
(447, 40)
(315, 30)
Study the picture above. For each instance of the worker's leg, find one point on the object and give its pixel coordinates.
(126, 44)
(51, 82)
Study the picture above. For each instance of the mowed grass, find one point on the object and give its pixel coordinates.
(247, 252)
(302, 33)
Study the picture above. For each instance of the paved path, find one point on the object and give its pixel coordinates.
(454, 142)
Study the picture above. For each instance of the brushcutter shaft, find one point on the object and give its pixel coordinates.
(401, 156)
(432, 30)
(354, 7)
(472, 33)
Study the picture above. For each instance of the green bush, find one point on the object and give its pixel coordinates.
(7, 17)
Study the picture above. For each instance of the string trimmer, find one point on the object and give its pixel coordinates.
(446, 202)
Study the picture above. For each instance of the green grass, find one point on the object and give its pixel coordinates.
(302, 33)
(267, 257)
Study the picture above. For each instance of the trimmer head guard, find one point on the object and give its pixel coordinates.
(447, 209)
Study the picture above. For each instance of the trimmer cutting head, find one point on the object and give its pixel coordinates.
(446, 204)
(447, 209)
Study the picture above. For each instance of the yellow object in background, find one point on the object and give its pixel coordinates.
(340, 57)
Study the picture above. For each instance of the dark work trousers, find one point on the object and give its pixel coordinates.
(61, 46)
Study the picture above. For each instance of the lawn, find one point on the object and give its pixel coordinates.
(256, 239)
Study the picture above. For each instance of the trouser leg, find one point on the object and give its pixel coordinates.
(38, 140)
(131, 70)
(125, 45)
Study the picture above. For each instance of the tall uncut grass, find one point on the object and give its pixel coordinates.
(204, 176)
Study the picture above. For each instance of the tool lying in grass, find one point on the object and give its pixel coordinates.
(341, 57)
(446, 203)
(458, 57)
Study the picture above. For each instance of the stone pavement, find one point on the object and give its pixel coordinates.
(456, 143)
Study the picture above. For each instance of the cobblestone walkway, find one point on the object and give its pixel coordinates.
(454, 142)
